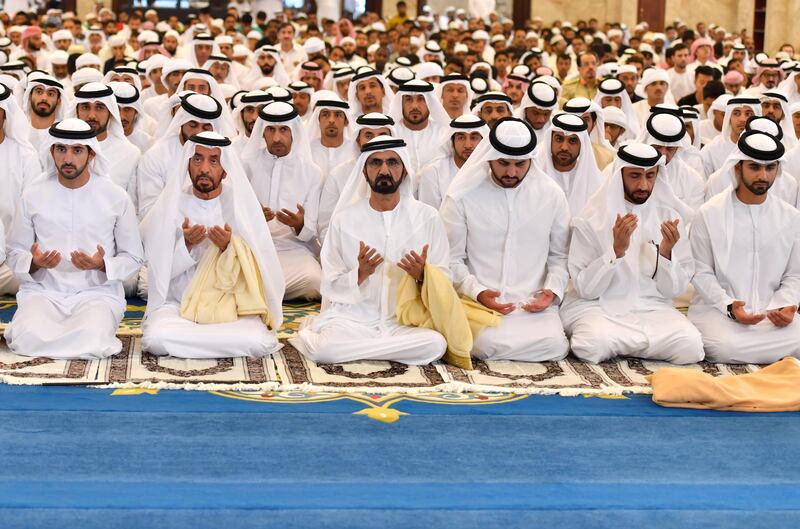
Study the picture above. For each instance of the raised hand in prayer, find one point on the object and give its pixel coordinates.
(42, 259)
(488, 298)
(293, 220)
(669, 237)
(83, 261)
(622, 230)
(268, 214)
(541, 301)
(744, 317)
(192, 234)
(414, 264)
(782, 317)
(220, 236)
(368, 260)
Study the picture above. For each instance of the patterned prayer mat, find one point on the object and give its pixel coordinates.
(289, 370)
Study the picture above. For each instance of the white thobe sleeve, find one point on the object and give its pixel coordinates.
(21, 238)
(311, 206)
(672, 276)
(591, 273)
(149, 183)
(705, 278)
(182, 259)
(557, 273)
(455, 223)
(708, 161)
(327, 203)
(429, 191)
(439, 247)
(128, 258)
(31, 168)
(696, 194)
(788, 293)
(339, 277)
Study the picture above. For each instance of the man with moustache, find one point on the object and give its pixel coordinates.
(420, 118)
(44, 103)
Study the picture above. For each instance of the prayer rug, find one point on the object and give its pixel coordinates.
(289, 370)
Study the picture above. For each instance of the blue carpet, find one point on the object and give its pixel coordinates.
(79, 457)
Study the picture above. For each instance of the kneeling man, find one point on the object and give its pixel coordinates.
(73, 241)
(746, 244)
(627, 259)
(215, 280)
(378, 233)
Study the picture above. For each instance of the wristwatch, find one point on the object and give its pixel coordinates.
(731, 315)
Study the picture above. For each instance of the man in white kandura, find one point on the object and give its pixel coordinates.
(737, 111)
(567, 157)
(419, 119)
(746, 245)
(211, 213)
(378, 233)
(96, 104)
(665, 131)
(508, 227)
(628, 258)
(328, 132)
(458, 142)
(71, 259)
(287, 183)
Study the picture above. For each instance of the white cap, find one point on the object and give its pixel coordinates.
(314, 45)
(59, 57)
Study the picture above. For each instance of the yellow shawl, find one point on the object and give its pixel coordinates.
(774, 388)
(436, 306)
(225, 286)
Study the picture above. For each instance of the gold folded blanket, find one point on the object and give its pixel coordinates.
(774, 388)
(225, 286)
(437, 306)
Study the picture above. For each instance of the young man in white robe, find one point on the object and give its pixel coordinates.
(137, 125)
(245, 114)
(287, 183)
(655, 83)
(95, 104)
(195, 113)
(19, 166)
(328, 132)
(378, 233)
(628, 257)
(592, 114)
(44, 102)
(266, 63)
(508, 228)
(665, 131)
(492, 106)
(775, 106)
(186, 222)
(369, 92)
(71, 260)
(157, 107)
(420, 119)
(365, 128)
(737, 111)
(537, 107)
(455, 94)
(746, 245)
(566, 156)
(785, 185)
(458, 143)
(611, 92)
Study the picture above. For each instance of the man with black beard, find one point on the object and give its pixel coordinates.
(43, 104)
(96, 104)
(378, 233)
(628, 257)
(746, 245)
